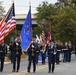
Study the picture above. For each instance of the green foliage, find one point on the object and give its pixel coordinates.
(45, 15)
(37, 30)
(66, 23)
(1, 10)
(69, 3)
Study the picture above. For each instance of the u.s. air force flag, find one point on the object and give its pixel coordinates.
(26, 31)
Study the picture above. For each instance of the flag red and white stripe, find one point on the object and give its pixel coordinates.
(6, 28)
(10, 25)
(2, 28)
(42, 37)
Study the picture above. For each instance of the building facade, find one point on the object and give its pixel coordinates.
(20, 18)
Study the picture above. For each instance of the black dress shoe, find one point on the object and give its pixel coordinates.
(17, 71)
(28, 71)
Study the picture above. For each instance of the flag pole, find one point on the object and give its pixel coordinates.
(30, 29)
(10, 9)
(5, 17)
(31, 16)
(29, 25)
(15, 27)
(7, 14)
(29, 4)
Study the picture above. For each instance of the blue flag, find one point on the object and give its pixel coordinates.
(26, 31)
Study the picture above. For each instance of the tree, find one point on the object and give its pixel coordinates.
(66, 20)
(37, 30)
(1, 10)
(70, 3)
(62, 18)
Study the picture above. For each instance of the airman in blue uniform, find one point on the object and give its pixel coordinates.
(32, 55)
(65, 52)
(43, 53)
(58, 51)
(70, 49)
(51, 56)
(38, 52)
(17, 51)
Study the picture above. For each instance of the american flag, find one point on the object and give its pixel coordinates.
(42, 37)
(8, 23)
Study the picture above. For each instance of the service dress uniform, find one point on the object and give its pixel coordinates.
(38, 53)
(58, 51)
(65, 52)
(70, 49)
(32, 55)
(51, 58)
(16, 55)
(75, 51)
(11, 51)
(3, 52)
(43, 54)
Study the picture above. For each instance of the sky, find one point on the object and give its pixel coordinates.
(22, 6)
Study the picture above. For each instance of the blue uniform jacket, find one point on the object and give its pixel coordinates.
(3, 50)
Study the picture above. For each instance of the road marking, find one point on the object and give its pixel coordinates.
(25, 71)
(38, 68)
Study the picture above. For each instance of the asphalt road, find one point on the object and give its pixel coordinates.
(61, 69)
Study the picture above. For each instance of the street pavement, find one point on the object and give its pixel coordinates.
(61, 69)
